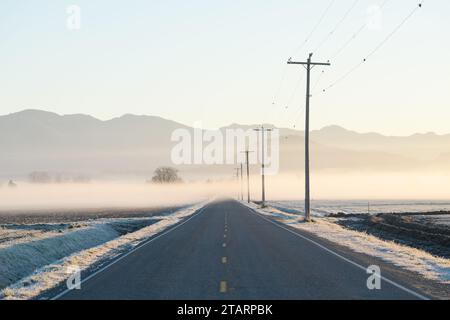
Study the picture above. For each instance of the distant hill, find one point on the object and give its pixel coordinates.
(427, 146)
(34, 140)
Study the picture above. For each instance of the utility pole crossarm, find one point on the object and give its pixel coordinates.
(309, 63)
(312, 63)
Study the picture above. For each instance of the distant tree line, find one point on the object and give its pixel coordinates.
(43, 177)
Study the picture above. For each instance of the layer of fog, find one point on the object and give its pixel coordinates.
(362, 186)
(342, 186)
(28, 196)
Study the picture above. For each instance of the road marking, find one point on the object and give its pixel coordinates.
(224, 259)
(223, 286)
(199, 211)
(224, 245)
(224, 235)
(399, 286)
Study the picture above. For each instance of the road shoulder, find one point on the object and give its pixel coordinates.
(409, 279)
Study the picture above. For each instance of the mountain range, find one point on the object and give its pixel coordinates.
(35, 140)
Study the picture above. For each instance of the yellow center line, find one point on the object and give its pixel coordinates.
(223, 286)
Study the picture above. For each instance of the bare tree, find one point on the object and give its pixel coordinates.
(166, 175)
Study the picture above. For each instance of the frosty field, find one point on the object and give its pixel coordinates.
(31, 241)
(327, 207)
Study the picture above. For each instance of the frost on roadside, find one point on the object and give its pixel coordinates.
(49, 276)
(429, 266)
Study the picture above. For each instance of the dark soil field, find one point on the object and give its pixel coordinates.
(72, 215)
(426, 231)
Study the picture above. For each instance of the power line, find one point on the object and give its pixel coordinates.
(376, 49)
(280, 85)
(346, 44)
(322, 17)
(354, 36)
(284, 72)
(298, 116)
(300, 81)
(340, 22)
(389, 36)
(294, 92)
(287, 106)
(318, 79)
(342, 78)
(350, 40)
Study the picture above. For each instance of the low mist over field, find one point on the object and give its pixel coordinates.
(361, 186)
(103, 195)
(27, 196)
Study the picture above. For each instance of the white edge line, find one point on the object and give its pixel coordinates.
(399, 286)
(130, 252)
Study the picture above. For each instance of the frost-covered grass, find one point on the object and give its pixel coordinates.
(20, 259)
(412, 259)
(26, 247)
(91, 245)
(320, 208)
(15, 234)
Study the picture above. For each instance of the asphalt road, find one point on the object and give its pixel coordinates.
(228, 251)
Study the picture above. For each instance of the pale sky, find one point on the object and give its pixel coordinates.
(222, 62)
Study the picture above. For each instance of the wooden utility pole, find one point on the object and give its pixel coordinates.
(308, 65)
(242, 184)
(263, 196)
(237, 180)
(248, 173)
